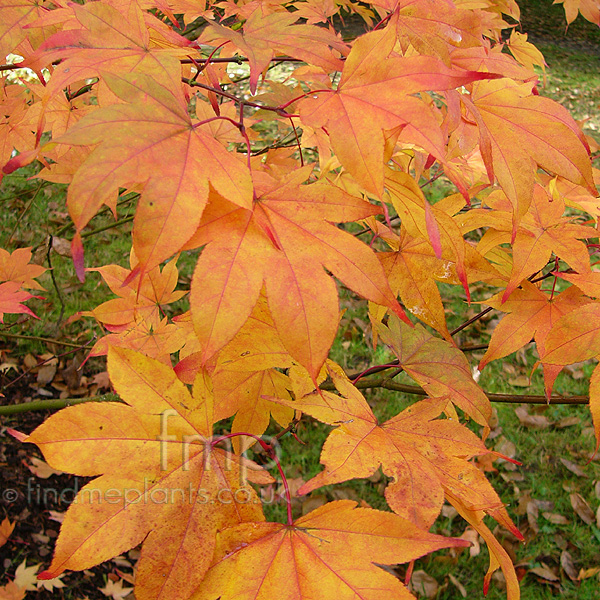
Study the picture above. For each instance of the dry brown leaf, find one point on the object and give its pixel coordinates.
(573, 467)
(532, 421)
(555, 518)
(545, 573)
(520, 381)
(459, 586)
(566, 562)
(582, 508)
(532, 516)
(42, 469)
(424, 585)
(567, 422)
(472, 536)
(47, 372)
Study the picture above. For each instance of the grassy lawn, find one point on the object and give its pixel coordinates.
(555, 449)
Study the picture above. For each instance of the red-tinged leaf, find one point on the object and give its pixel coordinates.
(499, 558)
(595, 403)
(159, 483)
(285, 241)
(332, 551)
(140, 298)
(150, 139)
(531, 314)
(575, 337)
(11, 297)
(519, 131)
(264, 35)
(107, 37)
(424, 455)
(441, 369)
(544, 231)
(376, 84)
(16, 266)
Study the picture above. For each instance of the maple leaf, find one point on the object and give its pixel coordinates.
(116, 590)
(589, 10)
(376, 84)
(285, 242)
(11, 297)
(6, 529)
(435, 28)
(151, 140)
(531, 313)
(264, 34)
(161, 480)
(440, 369)
(331, 550)
(424, 456)
(16, 267)
(137, 299)
(499, 558)
(16, 14)
(105, 37)
(519, 131)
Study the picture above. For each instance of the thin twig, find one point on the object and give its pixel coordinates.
(35, 338)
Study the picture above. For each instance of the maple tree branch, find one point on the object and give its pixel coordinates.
(57, 404)
(18, 336)
(56, 288)
(386, 383)
(232, 97)
(10, 67)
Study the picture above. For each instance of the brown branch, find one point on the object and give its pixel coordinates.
(35, 338)
(386, 383)
(15, 409)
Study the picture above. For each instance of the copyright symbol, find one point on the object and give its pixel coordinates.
(10, 495)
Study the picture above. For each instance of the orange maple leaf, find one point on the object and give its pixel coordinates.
(151, 139)
(265, 34)
(425, 456)
(520, 131)
(441, 369)
(531, 313)
(381, 86)
(16, 266)
(136, 300)
(331, 550)
(285, 242)
(161, 481)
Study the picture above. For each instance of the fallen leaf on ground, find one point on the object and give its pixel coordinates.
(42, 469)
(555, 518)
(582, 508)
(566, 562)
(6, 528)
(423, 584)
(532, 421)
(116, 590)
(573, 467)
(25, 577)
(545, 573)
